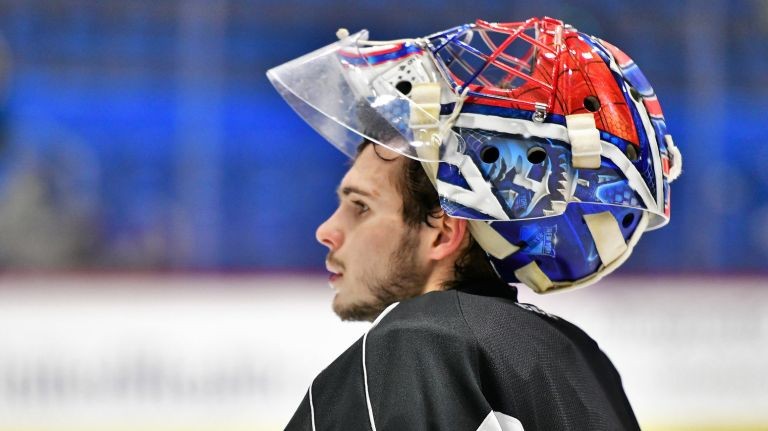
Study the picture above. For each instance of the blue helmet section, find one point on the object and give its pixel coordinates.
(533, 177)
(562, 246)
(546, 199)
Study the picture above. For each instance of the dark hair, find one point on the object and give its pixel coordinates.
(420, 204)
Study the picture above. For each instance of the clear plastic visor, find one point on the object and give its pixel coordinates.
(355, 90)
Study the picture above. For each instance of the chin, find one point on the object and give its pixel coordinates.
(355, 311)
(339, 305)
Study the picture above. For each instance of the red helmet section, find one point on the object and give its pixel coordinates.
(566, 72)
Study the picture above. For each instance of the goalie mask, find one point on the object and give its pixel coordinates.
(549, 141)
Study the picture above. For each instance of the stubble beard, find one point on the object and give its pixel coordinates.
(403, 279)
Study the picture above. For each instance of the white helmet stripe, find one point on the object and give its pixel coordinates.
(480, 198)
(514, 126)
(651, 133)
(634, 178)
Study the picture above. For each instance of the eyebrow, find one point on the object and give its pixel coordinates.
(346, 191)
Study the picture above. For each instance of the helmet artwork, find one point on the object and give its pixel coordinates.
(551, 142)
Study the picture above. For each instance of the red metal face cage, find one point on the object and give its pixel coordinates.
(514, 64)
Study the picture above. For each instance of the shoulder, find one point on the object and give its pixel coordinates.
(435, 314)
(424, 337)
(505, 318)
(404, 329)
(513, 333)
(467, 315)
(422, 367)
(461, 320)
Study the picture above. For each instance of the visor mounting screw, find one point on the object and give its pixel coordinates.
(541, 112)
(342, 33)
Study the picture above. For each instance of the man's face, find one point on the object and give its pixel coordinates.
(374, 257)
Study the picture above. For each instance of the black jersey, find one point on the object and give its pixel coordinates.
(468, 359)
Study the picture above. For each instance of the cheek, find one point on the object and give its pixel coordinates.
(371, 244)
(366, 251)
(384, 236)
(380, 237)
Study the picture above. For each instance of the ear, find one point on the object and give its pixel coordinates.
(448, 237)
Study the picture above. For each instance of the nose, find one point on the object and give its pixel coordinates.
(329, 234)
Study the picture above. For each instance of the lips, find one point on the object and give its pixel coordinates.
(335, 272)
(335, 267)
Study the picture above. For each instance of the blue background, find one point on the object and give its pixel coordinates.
(145, 135)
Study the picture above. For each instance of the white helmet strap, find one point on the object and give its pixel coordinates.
(676, 159)
(585, 141)
(607, 235)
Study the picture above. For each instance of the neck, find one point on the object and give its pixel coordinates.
(438, 278)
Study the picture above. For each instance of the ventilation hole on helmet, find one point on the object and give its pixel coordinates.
(627, 220)
(489, 154)
(631, 153)
(404, 87)
(537, 155)
(635, 94)
(592, 103)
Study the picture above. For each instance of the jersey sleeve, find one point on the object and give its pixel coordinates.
(302, 418)
(336, 398)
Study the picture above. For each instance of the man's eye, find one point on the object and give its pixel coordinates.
(360, 206)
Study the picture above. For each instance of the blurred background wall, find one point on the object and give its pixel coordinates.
(144, 134)
(141, 137)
